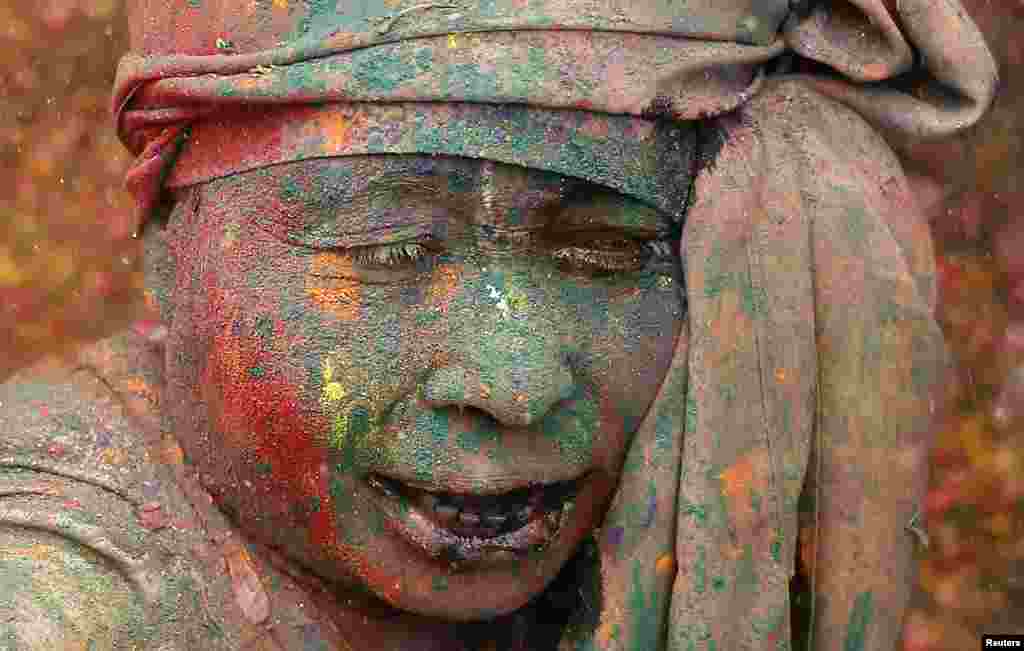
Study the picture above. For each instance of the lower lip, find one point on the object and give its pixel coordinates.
(423, 533)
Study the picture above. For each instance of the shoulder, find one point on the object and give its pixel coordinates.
(68, 420)
(106, 540)
(95, 543)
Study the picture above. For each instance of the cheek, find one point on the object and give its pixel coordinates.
(374, 344)
(238, 372)
(638, 347)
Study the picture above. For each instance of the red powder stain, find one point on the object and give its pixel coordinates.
(151, 516)
(258, 409)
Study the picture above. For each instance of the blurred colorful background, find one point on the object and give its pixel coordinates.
(70, 272)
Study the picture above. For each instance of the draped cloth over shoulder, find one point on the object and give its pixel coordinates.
(812, 348)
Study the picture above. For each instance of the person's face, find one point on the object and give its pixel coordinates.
(417, 376)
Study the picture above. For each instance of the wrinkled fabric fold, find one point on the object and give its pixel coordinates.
(809, 367)
(865, 41)
(639, 158)
(812, 308)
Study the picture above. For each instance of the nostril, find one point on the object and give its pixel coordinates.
(514, 400)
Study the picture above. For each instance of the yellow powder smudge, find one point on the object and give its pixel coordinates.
(37, 552)
(10, 273)
(114, 456)
(334, 398)
(333, 392)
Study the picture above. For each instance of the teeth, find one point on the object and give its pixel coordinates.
(487, 516)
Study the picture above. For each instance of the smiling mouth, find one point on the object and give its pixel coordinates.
(457, 527)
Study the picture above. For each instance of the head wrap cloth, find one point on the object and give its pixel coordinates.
(812, 351)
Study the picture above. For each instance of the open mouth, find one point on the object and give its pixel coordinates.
(469, 527)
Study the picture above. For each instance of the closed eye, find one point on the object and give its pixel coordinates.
(599, 255)
(608, 256)
(399, 254)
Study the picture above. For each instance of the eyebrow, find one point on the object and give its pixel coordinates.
(576, 205)
(618, 210)
(366, 186)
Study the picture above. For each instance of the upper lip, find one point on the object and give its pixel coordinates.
(479, 485)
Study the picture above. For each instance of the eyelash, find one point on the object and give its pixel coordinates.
(603, 260)
(389, 255)
(595, 260)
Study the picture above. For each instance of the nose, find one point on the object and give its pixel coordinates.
(517, 380)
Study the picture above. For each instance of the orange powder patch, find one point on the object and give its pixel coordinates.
(332, 130)
(666, 564)
(337, 131)
(876, 71)
(740, 481)
(330, 286)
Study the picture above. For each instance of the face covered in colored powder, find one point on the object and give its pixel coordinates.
(417, 376)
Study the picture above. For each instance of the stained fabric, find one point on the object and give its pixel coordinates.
(617, 63)
(812, 352)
